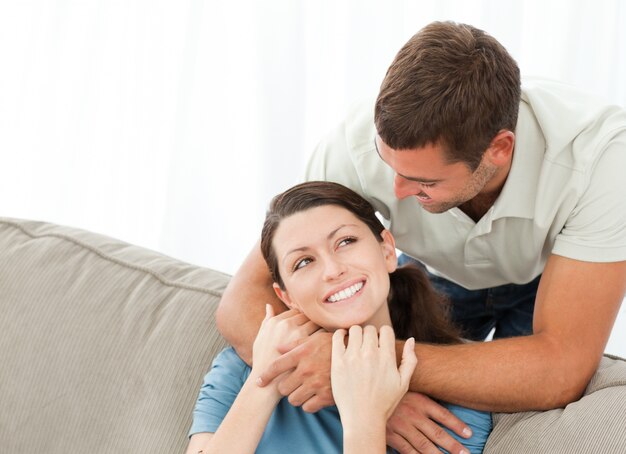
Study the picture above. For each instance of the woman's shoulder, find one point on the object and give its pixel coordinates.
(228, 355)
(228, 362)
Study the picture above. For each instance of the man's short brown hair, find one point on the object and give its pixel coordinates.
(451, 85)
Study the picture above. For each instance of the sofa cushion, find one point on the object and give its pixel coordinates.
(593, 424)
(103, 345)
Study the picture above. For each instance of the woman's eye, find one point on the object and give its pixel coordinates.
(346, 241)
(302, 263)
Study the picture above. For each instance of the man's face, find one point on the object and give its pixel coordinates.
(436, 184)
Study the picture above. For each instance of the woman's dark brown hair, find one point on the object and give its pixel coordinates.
(416, 309)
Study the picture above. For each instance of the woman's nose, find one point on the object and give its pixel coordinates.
(333, 269)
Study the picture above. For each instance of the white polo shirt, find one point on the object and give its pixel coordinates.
(565, 193)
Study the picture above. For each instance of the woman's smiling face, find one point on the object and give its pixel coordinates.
(334, 269)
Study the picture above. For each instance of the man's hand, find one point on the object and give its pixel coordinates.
(288, 326)
(412, 427)
(308, 383)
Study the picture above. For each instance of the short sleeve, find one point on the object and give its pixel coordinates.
(331, 161)
(218, 392)
(596, 229)
(479, 421)
(348, 156)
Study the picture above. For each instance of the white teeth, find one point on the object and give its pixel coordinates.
(345, 293)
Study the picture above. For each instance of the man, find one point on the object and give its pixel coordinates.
(514, 202)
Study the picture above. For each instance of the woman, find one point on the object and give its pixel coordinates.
(334, 265)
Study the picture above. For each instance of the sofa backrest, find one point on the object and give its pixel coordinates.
(103, 345)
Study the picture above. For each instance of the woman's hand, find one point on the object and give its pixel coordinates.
(287, 326)
(245, 422)
(366, 382)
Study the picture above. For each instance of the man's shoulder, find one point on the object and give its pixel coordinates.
(354, 135)
(358, 127)
(347, 155)
(349, 143)
(563, 103)
(574, 125)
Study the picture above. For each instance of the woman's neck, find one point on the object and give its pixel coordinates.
(380, 318)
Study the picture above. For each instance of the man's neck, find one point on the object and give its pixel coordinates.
(477, 207)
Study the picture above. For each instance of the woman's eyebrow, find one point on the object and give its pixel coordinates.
(328, 237)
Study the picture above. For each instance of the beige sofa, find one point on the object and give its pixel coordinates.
(103, 346)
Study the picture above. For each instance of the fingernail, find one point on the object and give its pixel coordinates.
(468, 433)
(464, 451)
(259, 381)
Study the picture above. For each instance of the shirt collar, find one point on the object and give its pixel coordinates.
(519, 193)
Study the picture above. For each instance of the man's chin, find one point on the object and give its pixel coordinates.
(436, 208)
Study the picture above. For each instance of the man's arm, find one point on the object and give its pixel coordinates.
(576, 306)
(242, 307)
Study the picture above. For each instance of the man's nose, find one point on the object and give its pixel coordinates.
(404, 188)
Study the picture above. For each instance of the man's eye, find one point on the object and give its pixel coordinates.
(302, 263)
(428, 185)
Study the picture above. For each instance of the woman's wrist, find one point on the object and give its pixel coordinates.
(269, 392)
(357, 424)
(364, 435)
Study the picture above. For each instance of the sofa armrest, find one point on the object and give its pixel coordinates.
(593, 424)
(103, 344)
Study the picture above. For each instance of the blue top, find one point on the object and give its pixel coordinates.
(290, 429)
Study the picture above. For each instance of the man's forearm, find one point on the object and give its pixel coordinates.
(517, 374)
(242, 307)
(576, 306)
(239, 323)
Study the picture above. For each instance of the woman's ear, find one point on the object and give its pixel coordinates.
(389, 250)
(283, 295)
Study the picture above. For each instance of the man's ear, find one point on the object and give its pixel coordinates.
(389, 250)
(500, 151)
(283, 295)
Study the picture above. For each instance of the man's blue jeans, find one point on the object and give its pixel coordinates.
(507, 308)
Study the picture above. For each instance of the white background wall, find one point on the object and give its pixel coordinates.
(170, 124)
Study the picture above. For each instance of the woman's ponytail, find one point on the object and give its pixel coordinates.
(417, 310)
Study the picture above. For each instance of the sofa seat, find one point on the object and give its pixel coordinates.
(104, 345)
